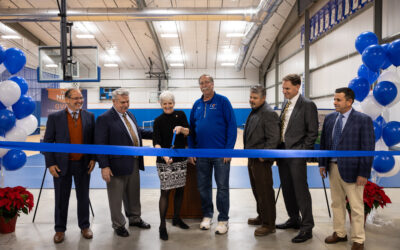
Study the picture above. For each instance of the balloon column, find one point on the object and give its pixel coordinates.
(377, 88)
(16, 108)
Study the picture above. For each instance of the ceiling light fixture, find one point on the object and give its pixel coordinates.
(227, 64)
(176, 65)
(83, 36)
(10, 37)
(235, 35)
(111, 65)
(169, 35)
(51, 65)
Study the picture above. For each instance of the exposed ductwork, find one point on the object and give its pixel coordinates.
(130, 14)
(265, 10)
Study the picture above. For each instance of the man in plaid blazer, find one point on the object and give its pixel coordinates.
(347, 129)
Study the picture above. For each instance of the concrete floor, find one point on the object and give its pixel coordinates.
(382, 232)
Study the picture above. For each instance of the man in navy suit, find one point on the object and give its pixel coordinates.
(118, 126)
(76, 126)
(347, 129)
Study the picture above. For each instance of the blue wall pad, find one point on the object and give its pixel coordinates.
(31, 175)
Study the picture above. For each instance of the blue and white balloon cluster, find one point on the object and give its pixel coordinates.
(16, 108)
(377, 88)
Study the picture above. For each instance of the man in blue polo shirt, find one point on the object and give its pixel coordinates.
(212, 126)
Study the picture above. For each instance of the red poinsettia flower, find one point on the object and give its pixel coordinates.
(15, 200)
(373, 197)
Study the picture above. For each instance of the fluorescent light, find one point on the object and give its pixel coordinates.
(169, 35)
(84, 36)
(176, 64)
(175, 57)
(227, 64)
(10, 37)
(111, 65)
(235, 35)
(51, 65)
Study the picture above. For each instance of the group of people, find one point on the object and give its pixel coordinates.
(212, 125)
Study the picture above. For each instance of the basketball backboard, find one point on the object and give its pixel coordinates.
(84, 66)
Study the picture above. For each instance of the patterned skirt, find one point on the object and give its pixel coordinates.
(173, 175)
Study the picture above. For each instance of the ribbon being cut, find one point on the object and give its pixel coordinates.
(232, 153)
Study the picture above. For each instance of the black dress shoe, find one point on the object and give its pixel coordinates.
(140, 224)
(179, 222)
(302, 236)
(289, 224)
(163, 233)
(122, 232)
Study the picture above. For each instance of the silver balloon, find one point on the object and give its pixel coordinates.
(371, 107)
(16, 134)
(380, 145)
(10, 92)
(3, 151)
(29, 124)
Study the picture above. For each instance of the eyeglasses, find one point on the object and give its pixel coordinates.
(76, 98)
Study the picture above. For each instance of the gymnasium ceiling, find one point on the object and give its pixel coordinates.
(199, 36)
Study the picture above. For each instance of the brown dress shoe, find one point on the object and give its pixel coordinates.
(357, 246)
(59, 237)
(263, 230)
(87, 233)
(334, 238)
(254, 221)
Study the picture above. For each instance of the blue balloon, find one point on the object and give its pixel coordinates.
(23, 107)
(360, 86)
(385, 92)
(2, 54)
(364, 72)
(374, 57)
(394, 52)
(377, 131)
(364, 40)
(380, 121)
(387, 61)
(391, 133)
(14, 159)
(21, 83)
(383, 163)
(2, 106)
(15, 60)
(7, 120)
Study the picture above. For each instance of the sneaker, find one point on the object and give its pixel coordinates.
(222, 227)
(206, 223)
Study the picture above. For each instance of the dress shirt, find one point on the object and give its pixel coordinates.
(131, 122)
(289, 113)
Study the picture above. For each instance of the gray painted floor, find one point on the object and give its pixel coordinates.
(383, 231)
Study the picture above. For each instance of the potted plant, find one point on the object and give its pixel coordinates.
(13, 201)
(374, 196)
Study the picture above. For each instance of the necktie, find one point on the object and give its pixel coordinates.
(337, 132)
(75, 115)
(283, 119)
(133, 135)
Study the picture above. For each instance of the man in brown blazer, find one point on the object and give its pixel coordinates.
(262, 132)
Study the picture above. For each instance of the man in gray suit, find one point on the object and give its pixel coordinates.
(262, 132)
(299, 130)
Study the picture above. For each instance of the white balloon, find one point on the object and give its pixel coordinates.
(29, 124)
(16, 134)
(3, 151)
(394, 170)
(371, 107)
(357, 106)
(389, 76)
(10, 92)
(380, 145)
(386, 114)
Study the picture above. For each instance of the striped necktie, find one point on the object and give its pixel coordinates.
(133, 134)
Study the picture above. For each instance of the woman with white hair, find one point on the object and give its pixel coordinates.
(171, 170)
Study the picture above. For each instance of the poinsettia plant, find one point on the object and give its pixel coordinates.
(374, 196)
(13, 201)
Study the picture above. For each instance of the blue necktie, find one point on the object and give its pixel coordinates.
(337, 132)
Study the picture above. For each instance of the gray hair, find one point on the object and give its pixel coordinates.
(120, 91)
(258, 89)
(167, 95)
(208, 76)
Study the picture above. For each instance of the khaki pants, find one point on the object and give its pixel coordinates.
(339, 190)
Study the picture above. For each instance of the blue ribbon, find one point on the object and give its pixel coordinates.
(210, 153)
(173, 140)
